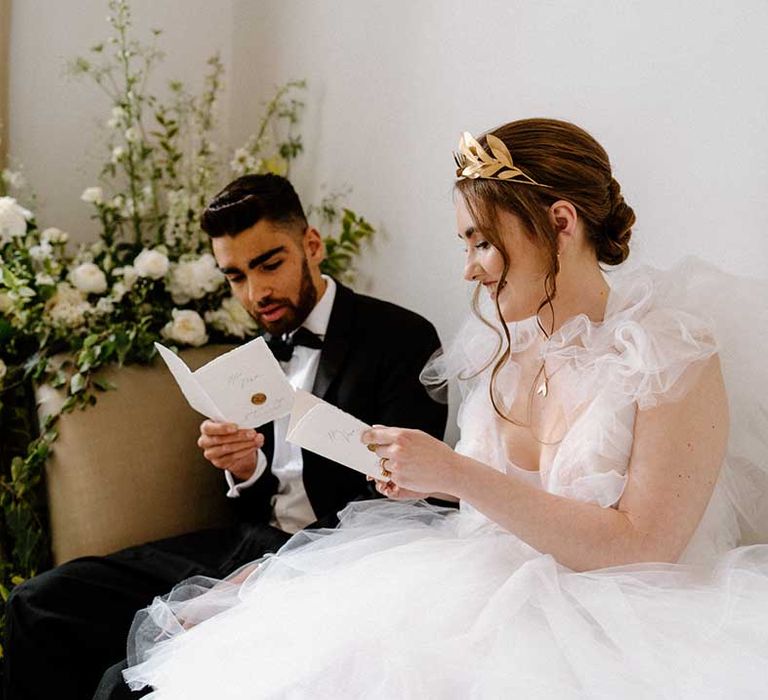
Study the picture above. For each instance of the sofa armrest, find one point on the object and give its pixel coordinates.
(128, 470)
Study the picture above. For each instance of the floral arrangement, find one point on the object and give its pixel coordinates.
(150, 275)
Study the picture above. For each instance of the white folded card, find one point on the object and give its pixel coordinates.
(322, 428)
(245, 386)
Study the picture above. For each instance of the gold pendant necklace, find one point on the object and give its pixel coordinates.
(543, 388)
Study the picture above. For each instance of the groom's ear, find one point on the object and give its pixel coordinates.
(314, 247)
(564, 219)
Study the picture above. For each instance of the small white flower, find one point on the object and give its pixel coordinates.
(151, 263)
(243, 162)
(232, 319)
(89, 278)
(43, 278)
(193, 279)
(6, 303)
(239, 157)
(105, 306)
(97, 248)
(117, 154)
(13, 219)
(93, 195)
(132, 134)
(119, 290)
(54, 236)
(187, 328)
(40, 253)
(3, 371)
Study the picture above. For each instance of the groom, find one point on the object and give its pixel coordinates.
(68, 625)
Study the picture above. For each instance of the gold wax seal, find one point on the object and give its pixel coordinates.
(372, 447)
(258, 399)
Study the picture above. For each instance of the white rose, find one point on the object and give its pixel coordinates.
(131, 134)
(117, 153)
(54, 236)
(151, 263)
(3, 371)
(67, 307)
(93, 195)
(13, 219)
(89, 278)
(194, 279)
(187, 328)
(232, 319)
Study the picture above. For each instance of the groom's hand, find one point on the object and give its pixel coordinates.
(228, 447)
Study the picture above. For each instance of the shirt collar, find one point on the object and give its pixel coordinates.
(318, 318)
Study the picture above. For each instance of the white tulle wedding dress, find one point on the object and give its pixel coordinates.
(405, 600)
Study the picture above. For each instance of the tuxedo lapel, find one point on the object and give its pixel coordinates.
(336, 341)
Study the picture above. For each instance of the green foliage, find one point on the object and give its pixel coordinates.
(64, 316)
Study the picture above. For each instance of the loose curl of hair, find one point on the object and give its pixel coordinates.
(577, 169)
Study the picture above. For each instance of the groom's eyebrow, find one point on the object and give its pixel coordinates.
(254, 262)
(259, 259)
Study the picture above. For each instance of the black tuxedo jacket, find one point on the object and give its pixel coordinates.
(369, 367)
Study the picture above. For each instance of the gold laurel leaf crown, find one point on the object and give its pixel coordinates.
(473, 162)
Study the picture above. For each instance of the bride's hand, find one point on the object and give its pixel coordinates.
(391, 490)
(417, 462)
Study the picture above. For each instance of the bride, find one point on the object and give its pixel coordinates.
(604, 502)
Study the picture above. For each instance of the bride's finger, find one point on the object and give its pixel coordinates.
(383, 451)
(379, 436)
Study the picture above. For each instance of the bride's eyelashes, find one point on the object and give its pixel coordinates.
(480, 245)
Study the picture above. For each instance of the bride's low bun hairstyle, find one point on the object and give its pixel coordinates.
(575, 168)
(613, 246)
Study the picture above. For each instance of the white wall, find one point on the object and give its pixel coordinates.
(676, 92)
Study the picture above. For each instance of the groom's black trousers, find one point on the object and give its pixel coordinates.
(66, 626)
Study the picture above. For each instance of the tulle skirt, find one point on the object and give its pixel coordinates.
(405, 600)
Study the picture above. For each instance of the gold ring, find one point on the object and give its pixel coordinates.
(385, 473)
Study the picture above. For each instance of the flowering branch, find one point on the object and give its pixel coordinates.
(150, 276)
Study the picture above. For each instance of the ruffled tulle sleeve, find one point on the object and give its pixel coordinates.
(647, 351)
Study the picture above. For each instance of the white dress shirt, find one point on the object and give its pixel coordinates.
(291, 509)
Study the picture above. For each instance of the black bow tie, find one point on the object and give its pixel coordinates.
(282, 348)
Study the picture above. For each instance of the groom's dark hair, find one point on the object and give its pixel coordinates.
(250, 199)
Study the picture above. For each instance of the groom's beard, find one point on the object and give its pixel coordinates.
(296, 313)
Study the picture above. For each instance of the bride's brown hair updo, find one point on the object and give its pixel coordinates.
(575, 168)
